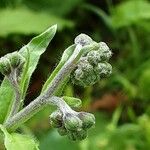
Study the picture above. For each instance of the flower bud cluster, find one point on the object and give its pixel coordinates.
(93, 66)
(73, 124)
(83, 39)
(10, 62)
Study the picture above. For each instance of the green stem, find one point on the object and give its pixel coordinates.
(47, 96)
(32, 109)
(43, 99)
(67, 53)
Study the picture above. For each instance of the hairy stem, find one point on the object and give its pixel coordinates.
(67, 53)
(16, 103)
(33, 108)
(44, 98)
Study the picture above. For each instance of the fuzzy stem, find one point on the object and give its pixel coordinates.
(33, 108)
(16, 103)
(44, 98)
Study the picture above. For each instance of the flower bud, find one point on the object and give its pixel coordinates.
(5, 67)
(72, 136)
(104, 51)
(56, 119)
(62, 131)
(84, 65)
(83, 39)
(104, 69)
(94, 57)
(78, 74)
(77, 135)
(88, 120)
(72, 122)
(15, 59)
(81, 135)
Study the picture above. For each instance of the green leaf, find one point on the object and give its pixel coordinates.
(15, 141)
(32, 52)
(25, 21)
(67, 53)
(72, 101)
(100, 13)
(53, 141)
(130, 12)
(61, 8)
(124, 84)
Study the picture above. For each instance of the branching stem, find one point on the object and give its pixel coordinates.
(46, 97)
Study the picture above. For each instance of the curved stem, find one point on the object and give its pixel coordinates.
(33, 108)
(45, 97)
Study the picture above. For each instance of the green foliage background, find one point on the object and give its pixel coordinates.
(121, 102)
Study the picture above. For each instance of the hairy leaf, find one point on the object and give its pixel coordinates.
(72, 101)
(67, 53)
(36, 47)
(15, 141)
(32, 52)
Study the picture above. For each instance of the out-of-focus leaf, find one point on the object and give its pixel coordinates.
(58, 7)
(144, 122)
(125, 137)
(15, 141)
(26, 21)
(144, 85)
(106, 18)
(130, 12)
(124, 84)
(33, 49)
(56, 142)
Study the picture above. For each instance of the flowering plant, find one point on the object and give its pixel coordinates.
(83, 63)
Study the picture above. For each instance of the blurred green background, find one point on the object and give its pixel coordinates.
(121, 103)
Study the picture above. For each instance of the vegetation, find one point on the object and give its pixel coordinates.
(120, 102)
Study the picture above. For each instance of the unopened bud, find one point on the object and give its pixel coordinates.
(81, 135)
(72, 136)
(83, 39)
(72, 122)
(78, 74)
(88, 120)
(5, 67)
(104, 69)
(94, 57)
(104, 51)
(62, 131)
(56, 119)
(15, 59)
(77, 135)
